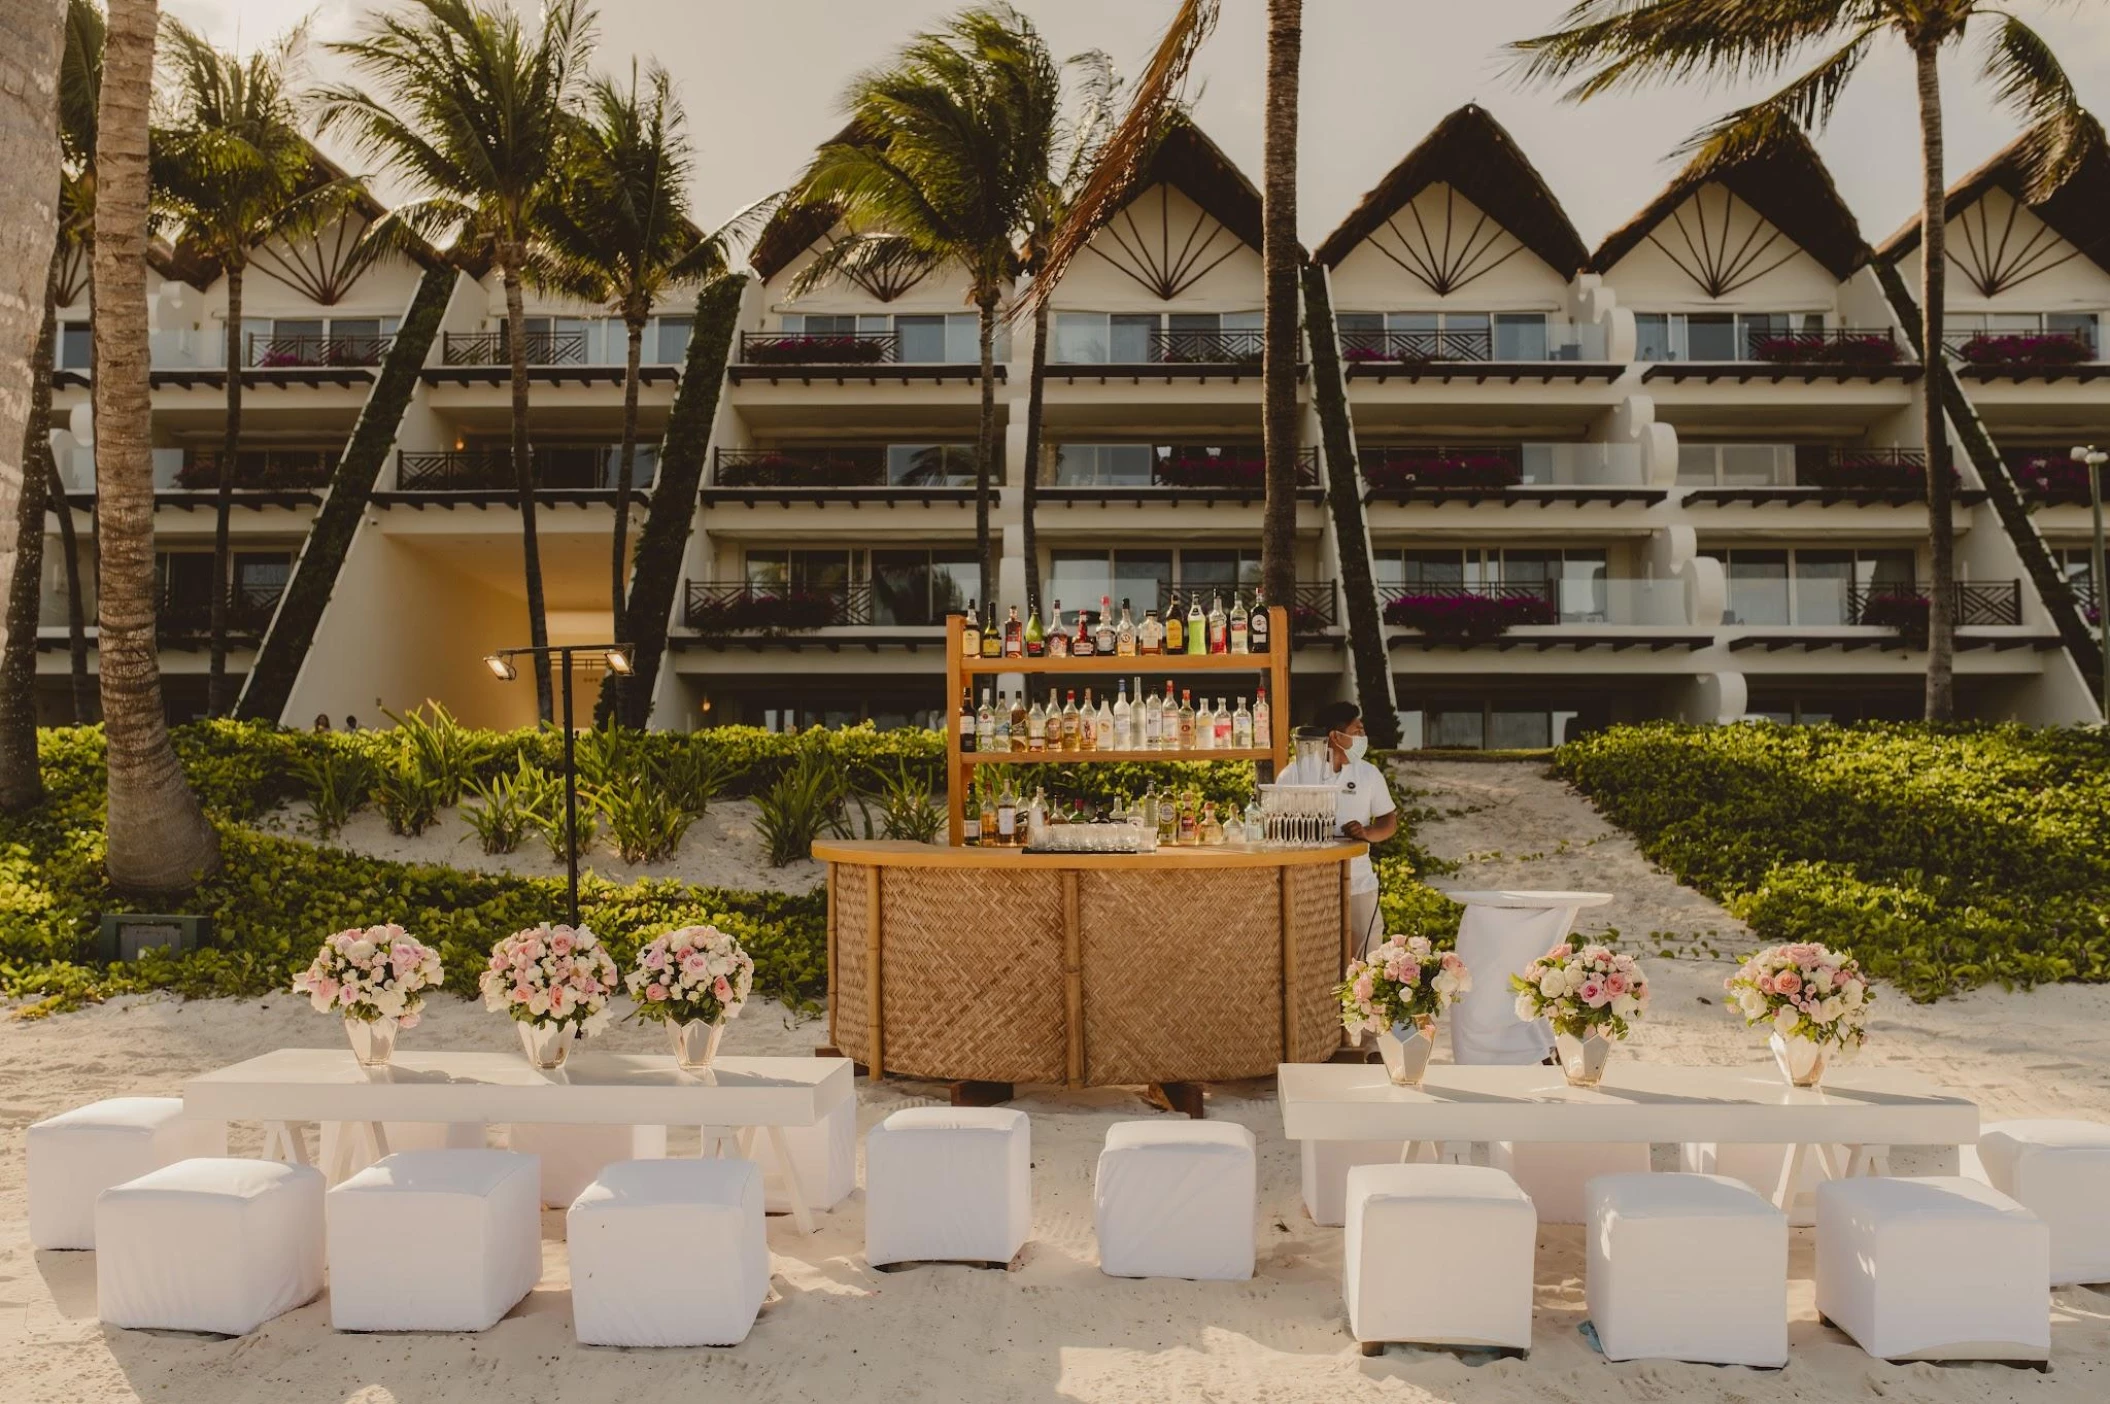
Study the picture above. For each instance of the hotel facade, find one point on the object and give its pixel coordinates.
(1684, 468)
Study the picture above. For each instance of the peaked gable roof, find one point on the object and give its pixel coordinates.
(1786, 184)
(1471, 152)
(1190, 163)
(2078, 211)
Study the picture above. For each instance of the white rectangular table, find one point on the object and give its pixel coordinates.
(295, 1085)
(1866, 1110)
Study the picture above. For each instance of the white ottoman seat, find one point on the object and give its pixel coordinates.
(1438, 1255)
(572, 1155)
(209, 1244)
(1555, 1174)
(668, 1253)
(1325, 1174)
(825, 1155)
(2059, 1171)
(1933, 1269)
(1687, 1267)
(1174, 1198)
(445, 1240)
(948, 1184)
(76, 1155)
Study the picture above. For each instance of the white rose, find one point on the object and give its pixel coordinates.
(361, 951)
(321, 1005)
(1751, 1002)
(1785, 1021)
(1527, 1008)
(538, 1004)
(1626, 1006)
(1551, 985)
(1853, 995)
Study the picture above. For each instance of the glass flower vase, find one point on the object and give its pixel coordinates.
(1406, 1047)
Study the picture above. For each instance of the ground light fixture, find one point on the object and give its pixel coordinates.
(2092, 460)
(620, 660)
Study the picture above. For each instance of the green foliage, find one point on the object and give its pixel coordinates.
(510, 807)
(439, 750)
(407, 798)
(805, 800)
(643, 819)
(908, 808)
(338, 783)
(1944, 857)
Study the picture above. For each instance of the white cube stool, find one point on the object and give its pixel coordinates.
(572, 1155)
(948, 1184)
(2059, 1171)
(1438, 1255)
(1174, 1198)
(210, 1244)
(1687, 1267)
(76, 1155)
(445, 1240)
(1760, 1166)
(1934, 1269)
(1325, 1174)
(825, 1155)
(1554, 1173)
(347, 1148)
(668, 1253)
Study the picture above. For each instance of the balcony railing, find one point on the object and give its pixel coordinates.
(260, 469)
(184, 614)
(861, 466)
(1314, 608)
(557, 467)
(1238, 468)
(819, 348)
(2020, 350)
(1469, 466)
(282, 352)
(1976, 603)
(1530, 341)
(715, 608)
(1208, 348)
(1618, 602)
(495, 348)
(1826, 346)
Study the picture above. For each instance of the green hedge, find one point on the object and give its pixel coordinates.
(1945, 857)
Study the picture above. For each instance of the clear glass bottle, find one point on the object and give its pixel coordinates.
(970, 633)
(1135, 720)
(1197, 628)
(1125, 633)
(1222, 717)
(1018, 722)
(985, 725)
(1263, 737)
(1002, 740)
(1058, 641)
(1204, 727)
(1242, 727)
(1037, 729)
(1103, 633)
(1124, 722)
(1037, 818)
(1007, 832)
(1175, 625)
(1104, 737)
(1088, 724)
(1241, 639)
(1255, 823)
(1069, 723)
(1186, 715)
(1036, 640)
(1211, 828)
(1219, 626)
(1152, 720)
(1150, 634)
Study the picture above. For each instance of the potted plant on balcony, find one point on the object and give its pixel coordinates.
(2054, 477)
(2026, 349)
(1468, 618)
(1442, 468)
(1903, 611)
(800, 350)
(1867, 471)
(773, 612)
(1207, 471)
(1826, 349)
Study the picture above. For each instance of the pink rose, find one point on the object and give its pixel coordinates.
(1615, 984)
(1787, 982)
(721, 989)
(655, 958)
(1560, 952)
(655, 992)
(522, 994)
(1364, 989)
(560, 944)
(1452, 962)
(327, 988)
(408, 1021)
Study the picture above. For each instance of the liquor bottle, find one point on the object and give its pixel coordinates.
(990, 837)
(1081, 645)
(1069, 722)
(1255, 823)
(1003, 724)
(1197, 628)
(1036, 729)
(992, 636)
(971, 822)
(1168, 821)
(1150, 634)
(1135, 719)
(968, 721)
(1018, 722)
(1190, 823)
(1088, 724)
(1103, 634)
(1014, 636)
(1152, 721)
(985, 725)
(1125, 633)
(1058, 641)
(1241, 639)
(1211, 829)
(1261, 719)
(1257, 624)
(1036, 641)
(1222, 717)
(1175, 626)
(1124, 722)
(1242, 727)
(1219, 626)
(1103, 735)
(1204, 727)
(1007, 817)
(1169, 720)
(1186, 719)
(971, 633)
(1037, 817)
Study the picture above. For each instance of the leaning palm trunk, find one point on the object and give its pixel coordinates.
(76, 606)
(524, 479)
(158, 840)
(1029, 471)
(1280, 256)
(219, 697)
(626, 468)
(21, 780)
(985, 448)
(1941, 493)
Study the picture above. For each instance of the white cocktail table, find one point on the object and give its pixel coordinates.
(1866, 1110)
(295, 1085)
(1501, 933)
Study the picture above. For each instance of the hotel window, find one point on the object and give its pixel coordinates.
(799, 569)
(2079, 325)
(1079, 578)
(1489, 565)
(935, 339)
(1807, 588)
(922, 586)
(1127, 338)
(929, 465)
(1472, 336)
(75, 346)
(1714, 336)
(1486, 727)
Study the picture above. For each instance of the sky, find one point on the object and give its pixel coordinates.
(762, 80)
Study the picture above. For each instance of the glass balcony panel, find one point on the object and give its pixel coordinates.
(1757, 465)
(1758, 587)
(1582, 465)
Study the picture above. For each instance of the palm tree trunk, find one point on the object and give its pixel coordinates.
(524, 478)
(985, 447)
(1279, 256)
(158, 841)
(626, 469)
(76, 606)
(1029, 479)
(1941, 491)
(21, 780)
(219, 699)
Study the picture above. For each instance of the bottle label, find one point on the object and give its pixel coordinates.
(1007, 822)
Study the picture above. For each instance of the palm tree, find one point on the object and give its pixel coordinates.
(158, 841)
(938, 168)
(231, 170)
(471, 109)
(80, 83)
(1609, 44)
(615, 230)
(1280, 257)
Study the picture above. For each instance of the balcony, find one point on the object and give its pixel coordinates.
(559, 468)
(1527, 343)
(1719, 474)
(494, 348)
(2049, 475)
(2018, 356)
(1405, 471)
(1747, 353)
(289, 352)
(260, 470)
(186, 615)
(1900, 606)
(724, 608)
(880, 465)
(1601, 601)
(186, 359)
(1314, 610)
(1202, 470)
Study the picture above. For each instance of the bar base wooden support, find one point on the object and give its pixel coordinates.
(970, 1093)
(1182, 1097)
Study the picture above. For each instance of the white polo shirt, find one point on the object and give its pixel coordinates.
(1360, 795)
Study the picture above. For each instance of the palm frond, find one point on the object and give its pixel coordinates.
(2029, 80)
(1805, 105)
(80, 81)
(1608, 44)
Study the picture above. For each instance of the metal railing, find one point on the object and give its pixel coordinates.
(2020, 348)
(1542, 591)
(719, 607)
(494, 348)
(1202, 468)
(183, 614)
(819, 348)
(1212, 348)
(860, 466)
(1415, 347)
(1864, 469)
(1978, 603)
(284, 352)
(1829, 346)
(557, 466)
(260, 469)
(1468, 466)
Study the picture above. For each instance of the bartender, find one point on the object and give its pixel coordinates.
(1363, 808)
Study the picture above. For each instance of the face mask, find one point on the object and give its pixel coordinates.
(1356, 746)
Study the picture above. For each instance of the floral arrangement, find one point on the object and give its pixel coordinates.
(1903, 611)
(764, 610)
(1468, 618)
(1594, 989)
(1826, 348)
(2026, 349)
(551, 975)
(1441, 468)
(793, 349)
(381, 972)
(1804, 991)
(1398, 982)
(693, 974)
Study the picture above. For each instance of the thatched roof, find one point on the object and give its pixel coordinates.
(1786, 183)
(1195, 166)
(1471, 152)
(795, 228)
(2078, 211)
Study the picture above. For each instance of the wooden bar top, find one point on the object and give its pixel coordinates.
(900, 853)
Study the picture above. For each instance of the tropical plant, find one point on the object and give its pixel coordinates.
(509, 807)
(158, 841)
(693, 776)
(408, 798)
(644, 820)
(610, 754)
(338, 782)
(909, 809)
(471, 109)
(438, 750)
(937, 168)
(550, 825)
(806, 800)
(1611, 44)
(231, 170)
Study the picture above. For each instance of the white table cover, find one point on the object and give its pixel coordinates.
(1500, 933)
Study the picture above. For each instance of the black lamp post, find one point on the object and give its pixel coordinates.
(617, 656)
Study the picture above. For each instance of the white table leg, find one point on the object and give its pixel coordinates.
(1790, 1179)
(801, 1214)
(377, 1132)
(1409, 1152)
(284, 1140)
